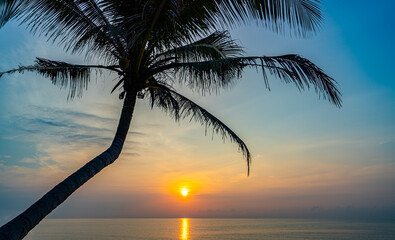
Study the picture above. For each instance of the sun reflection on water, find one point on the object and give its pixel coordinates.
(184, 229)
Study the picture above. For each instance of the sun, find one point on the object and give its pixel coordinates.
(184, 191)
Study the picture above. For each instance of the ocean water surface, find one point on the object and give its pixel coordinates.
(200, 228)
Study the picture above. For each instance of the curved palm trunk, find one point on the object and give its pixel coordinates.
(26, 221)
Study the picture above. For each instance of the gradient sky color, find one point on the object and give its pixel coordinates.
(310, 159)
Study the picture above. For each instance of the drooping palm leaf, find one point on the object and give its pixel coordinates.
(166, 24)
(218, 45)
(74, 77)
(190, 18)
(180, 107)
(8, 10)
(65, 21)
(303, 16)
(214, 74)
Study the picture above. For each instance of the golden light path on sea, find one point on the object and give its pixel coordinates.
(184, 229)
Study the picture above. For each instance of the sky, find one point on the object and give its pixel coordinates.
(310, 158)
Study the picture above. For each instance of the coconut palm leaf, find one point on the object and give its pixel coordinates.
(74, 77)
(65, 21)
(96, 9)
(8, 10)
(218, 45)
(180, 107)
(198, 16)
(302, 15)
(215, 74)
(183, 21)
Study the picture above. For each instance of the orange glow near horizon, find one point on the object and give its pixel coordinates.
(183, 189)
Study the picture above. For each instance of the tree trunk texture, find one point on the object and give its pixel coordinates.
(19, 227)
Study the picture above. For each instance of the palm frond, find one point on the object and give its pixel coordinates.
(96, 7)
(180, 107)
(302, 15)
(64, 21)
(199, 16)
(74, 77)
(212, 75)
(218, 45)
(8, 10)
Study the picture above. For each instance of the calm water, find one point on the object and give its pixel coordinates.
(196, 228)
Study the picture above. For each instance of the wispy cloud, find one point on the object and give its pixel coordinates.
(63, 140)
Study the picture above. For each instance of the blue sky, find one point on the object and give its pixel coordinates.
(308, 154)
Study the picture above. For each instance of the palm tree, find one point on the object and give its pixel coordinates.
(151, 44)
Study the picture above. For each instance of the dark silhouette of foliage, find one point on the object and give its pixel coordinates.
(152, 44)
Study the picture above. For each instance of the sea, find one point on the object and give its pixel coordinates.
(209, 228)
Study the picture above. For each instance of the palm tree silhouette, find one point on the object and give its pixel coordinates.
(151, 44)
